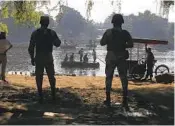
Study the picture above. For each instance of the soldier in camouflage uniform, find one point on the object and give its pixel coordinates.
(43, 40)
(117, 40)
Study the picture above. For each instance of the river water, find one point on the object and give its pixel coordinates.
(19, 60)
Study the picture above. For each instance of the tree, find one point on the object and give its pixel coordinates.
(3, 27)
(23, 12)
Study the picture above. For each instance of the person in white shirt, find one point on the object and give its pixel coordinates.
(5, 45)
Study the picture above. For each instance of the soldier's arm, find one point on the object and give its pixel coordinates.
(129, 42)
(104, 39)
(9, 47)
(32, 46)
(153, 56)
(56, 40)
(146, 49)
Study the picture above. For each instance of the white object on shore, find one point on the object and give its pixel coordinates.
(25, 73)
(10, 73)
(18, 73)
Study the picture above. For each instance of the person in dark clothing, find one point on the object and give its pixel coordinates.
(81, 54)
(117, 40)
(72, 58)
(150, 63)
(85, 58)
(43, 40)
(94, 55)
(66, 58)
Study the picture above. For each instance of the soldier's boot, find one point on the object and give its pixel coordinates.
(40, 93)
(107, 102)
(53, 89)
(53, 93)
(125, 100)
(39, 80)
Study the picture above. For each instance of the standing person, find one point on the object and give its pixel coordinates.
(66, 58)
(117, 40)
(150, 63)
(5, 45)
(94, 55)
(81, 54)
(43, 39)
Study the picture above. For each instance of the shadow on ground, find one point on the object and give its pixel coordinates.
(83, 106)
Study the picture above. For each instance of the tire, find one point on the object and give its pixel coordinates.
(137, 72)
(163, 66)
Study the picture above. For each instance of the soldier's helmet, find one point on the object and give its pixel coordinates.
(117, 19)
(44, 20)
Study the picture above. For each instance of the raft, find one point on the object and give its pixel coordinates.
(79, 65)
(67, 47)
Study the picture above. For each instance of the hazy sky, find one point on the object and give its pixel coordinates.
(103, 8)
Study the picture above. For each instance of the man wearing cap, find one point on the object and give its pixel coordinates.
(117, 40)
(43, 40)
(5, 45)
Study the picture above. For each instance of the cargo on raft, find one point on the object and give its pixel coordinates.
(79, 64)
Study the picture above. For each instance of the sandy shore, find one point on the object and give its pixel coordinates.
(80, 101)
(82, 82)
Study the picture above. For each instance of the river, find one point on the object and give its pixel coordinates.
(19, 60)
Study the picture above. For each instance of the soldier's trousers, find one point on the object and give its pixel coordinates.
(3, 63)
(122, 70)
(149, 70)
(39, 70)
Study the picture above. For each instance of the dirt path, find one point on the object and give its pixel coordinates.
(82, 103)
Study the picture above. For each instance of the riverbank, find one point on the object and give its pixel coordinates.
(81, 82)
(79, 101)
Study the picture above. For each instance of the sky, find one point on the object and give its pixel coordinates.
(102, 8)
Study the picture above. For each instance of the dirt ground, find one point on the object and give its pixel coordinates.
(79, 101)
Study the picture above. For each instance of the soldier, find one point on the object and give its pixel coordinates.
(43, 39)
(117, 40)
(5, 45)
(150, 63)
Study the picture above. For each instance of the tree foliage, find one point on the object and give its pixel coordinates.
(24, 12)
(21, 11)
(3, 27)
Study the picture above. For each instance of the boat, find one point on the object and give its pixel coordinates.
(76, 64)
(67, 46)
